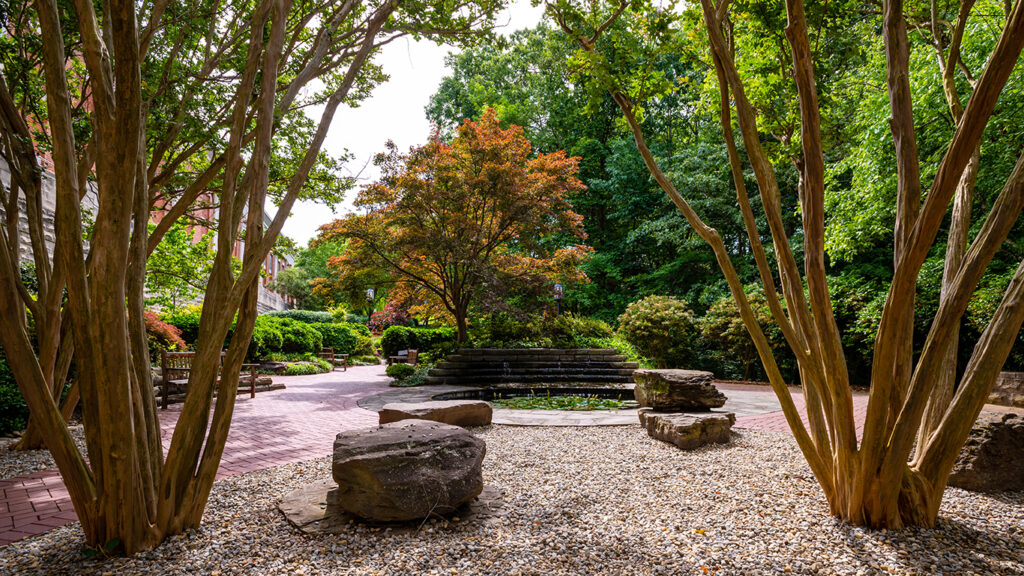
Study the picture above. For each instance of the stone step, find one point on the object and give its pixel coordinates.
(528, 379)
(515, 371)
(534, 351)
(448, 365)
(537, 358)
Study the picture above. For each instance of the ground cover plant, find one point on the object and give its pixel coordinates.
(557, 402)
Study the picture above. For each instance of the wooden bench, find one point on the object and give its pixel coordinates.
(404, 357)
(328, 355)
(176, 366)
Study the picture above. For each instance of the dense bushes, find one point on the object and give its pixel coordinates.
(432, 342)
(728, 349)
(345, 338)
(662, 328)
(13, 410)
(288, 331)
(562, 331)
(306, 316)
(186, 320)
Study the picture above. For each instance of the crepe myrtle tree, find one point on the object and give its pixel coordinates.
(884, 480)
(145, 68)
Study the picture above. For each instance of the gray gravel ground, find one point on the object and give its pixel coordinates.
(580, 501)
(18, 463)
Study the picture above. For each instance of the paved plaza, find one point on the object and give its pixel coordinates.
(300, 422)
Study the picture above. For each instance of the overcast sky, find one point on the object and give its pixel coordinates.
(394, 111)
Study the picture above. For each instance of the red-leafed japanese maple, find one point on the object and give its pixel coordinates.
(454, 218)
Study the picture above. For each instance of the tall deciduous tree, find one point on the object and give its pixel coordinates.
(450, 218)
(260, 58)
(881, 481)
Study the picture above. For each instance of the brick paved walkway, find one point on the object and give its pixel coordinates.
(299, 423)
(278, 427)
(775, 421)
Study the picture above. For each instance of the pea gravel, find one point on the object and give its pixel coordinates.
(21, 462)
(579, 501)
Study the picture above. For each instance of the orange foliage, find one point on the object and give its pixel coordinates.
(445, 219)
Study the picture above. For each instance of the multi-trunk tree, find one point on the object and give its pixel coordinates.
(883, 480)
(128, 87)
(457, 218)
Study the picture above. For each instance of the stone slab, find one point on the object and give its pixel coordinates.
(454, 412)
(677, 390)
(688, 431)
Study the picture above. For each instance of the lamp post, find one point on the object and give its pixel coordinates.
(369, 303)
(559, 294)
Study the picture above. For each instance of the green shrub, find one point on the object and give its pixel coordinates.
(341, 337)
(662, 328)
(360, 328)
(307, 368)
(306, 316)
(297, 336)
(569, 331)
(266, 338)
(728, 346)
(561, 331)
(432, 342)
(419, 377)
(504, 331)
(13, 410)
(400, 371)
(186, 320)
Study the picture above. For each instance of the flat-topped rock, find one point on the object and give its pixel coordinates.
(677, 390)
(992, 460)
(688, 431)
(407, 470)
(454, 412)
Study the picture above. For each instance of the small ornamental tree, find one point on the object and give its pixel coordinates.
(449, 217)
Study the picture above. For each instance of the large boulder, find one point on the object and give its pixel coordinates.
(992, 460)
(677, 390)
(688, 431)
(454, 412)
(407, 470)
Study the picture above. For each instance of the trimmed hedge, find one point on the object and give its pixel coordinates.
(433, 341)
(307, 316)
(342, 337)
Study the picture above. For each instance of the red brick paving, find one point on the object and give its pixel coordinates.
(277, 427)
(776, 421)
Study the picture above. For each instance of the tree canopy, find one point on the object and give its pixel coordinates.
(481, 213)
